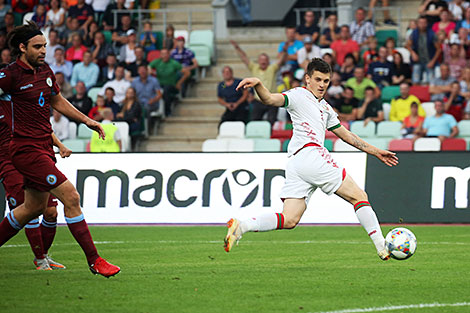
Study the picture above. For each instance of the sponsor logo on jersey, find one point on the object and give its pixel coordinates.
(51, 179)
(26, 86)
(49, 82)
(1, 116)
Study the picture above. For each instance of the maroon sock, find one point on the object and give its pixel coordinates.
(33, 233)
(48, 230)
(9, 227)
(79, 229)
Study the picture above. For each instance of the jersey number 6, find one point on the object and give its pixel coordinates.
(41, 99)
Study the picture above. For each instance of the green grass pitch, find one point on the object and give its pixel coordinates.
(185, 269)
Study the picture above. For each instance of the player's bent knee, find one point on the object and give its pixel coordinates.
(50, 214)
(290, 223)
(361, 196)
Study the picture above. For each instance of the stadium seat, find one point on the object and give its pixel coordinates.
(279, 125)
(390, 92)
(202, 38)
(76, 145)
(386, 107)
(454, 144)
(421, 92)
(72, 130)
(427, 144)
(258, 129)
(383, 34)
(329, 135)
(429, 108)
(345, 125)
(215, 145)
(241, 145)
(93, 93)
(231, 130)
(84, 132)
(342, 146)
(405, 53)
(359, 129)
(152, 55)
(328, 144)
(125, 138)
(267, 145)
(381, 143)
(400, 145)
(202, 54)
(464, 128)
(388, 129)
(285, 145)
(281, 134)
(159, 36)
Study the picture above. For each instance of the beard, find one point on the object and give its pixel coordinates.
(34, 61)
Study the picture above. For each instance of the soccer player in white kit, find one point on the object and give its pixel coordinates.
(310, 165)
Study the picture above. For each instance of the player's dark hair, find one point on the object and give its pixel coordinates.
(317, 64)
(21, 35)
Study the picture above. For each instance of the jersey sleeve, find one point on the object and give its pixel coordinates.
(5, 81)
(290, 97)
(333, 121)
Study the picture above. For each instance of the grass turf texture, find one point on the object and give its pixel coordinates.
(185, 269)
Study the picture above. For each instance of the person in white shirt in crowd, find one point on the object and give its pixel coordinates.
(119, 84)
(60, 125)
(127, 53)
(55, 17)
(52, 46)
(308, 52)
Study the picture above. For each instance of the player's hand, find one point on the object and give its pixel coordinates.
(248, 83)
(94, 125)
(388, 157)
(64, 151)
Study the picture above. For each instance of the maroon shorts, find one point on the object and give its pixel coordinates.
(12, 182)
(35, 160)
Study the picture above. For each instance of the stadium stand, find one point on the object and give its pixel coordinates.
(258, 129)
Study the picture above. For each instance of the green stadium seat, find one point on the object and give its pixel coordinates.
(381, 143)
(289, 126)
(328, 144)
(388, 129)
(464, 128)
(202, 54)
(202, 38)
(84, 132)
(359, 129)
(159, 36)
(383, 34)
(76, 145)
(285, 144)
(390, 92)
(267, 145)
(258, 129)
(93, 93)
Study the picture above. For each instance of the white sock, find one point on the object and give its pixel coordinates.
(263, 222)
(368, 220)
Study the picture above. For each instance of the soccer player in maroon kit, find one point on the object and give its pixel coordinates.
(31, 84)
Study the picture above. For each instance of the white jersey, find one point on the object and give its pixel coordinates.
(310, 118)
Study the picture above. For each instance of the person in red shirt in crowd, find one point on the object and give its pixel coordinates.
(412, 123)
(76, 51)
(344, 45)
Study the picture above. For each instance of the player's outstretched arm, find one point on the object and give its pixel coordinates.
(387, 157)
(63, 150)
(274, 99)
(59, 103)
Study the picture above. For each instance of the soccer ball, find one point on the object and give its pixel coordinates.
(401, 243)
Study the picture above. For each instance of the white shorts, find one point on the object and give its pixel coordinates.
(309, 169)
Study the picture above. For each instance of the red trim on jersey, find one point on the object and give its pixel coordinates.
(372, 232)
(310, 144)
(344, 174)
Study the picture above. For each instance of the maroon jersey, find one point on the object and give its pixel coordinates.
(5, 126)
(30, 93)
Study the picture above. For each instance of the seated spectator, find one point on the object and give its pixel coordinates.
(52, 46)
(307, 52)
(169, 41)
(293, 46)
(60, 125)
(431, 10)
(360, 28)
(127, 54)
(424, 50)
(456, 9)
(119, 36)
(131, 111)
(9, 22)
(100, 50)
(328, 58)
(148, 89)
(308, 29)
(462, 38)
(401, 106)
(55, 16)
(109, 101)
(171, 75)
(80, 100)
(335, 89)
(344, 45)
(454, 56)
(119, 84)
(60, 64)
(441, 125)
(66, 89)
(465, 22)
(39, 16)
(148, 38)
(107, 72)
(83, 13)
(346, 106)
(370, 109)
(85, 71)
(390, 45)
(108, 17)
(412, 25)
(371, 54)
(401, 72)
(184, 56)
(4, 9)
(286, 81)
(89, 38)
(139, 60)
(330, 33)
(454, 103)
(465, 83)
(359, 83)
(6, 56)
(441, 85)
(76, 51)
(347, 69)
(95, 112)
(113, 140)
(3, 40)
(235, 102)
(380, 71)
(445, 24)
(412, 123)
(387, 19)
(71, 30)
(99, 7)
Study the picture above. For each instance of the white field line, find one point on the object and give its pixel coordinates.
(402, 307)
(351, 242)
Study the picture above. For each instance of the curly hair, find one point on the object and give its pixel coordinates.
(21, 35)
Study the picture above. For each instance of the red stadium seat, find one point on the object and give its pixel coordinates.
(454, 144)
(279, 125)
(281, 134)
(152, 55)
(345, 125)
(422, 92)
(400, 145)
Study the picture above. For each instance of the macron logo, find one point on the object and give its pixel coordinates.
(26, 87)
